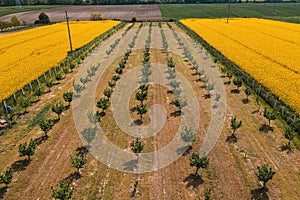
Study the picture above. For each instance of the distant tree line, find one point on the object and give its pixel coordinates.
(116, 2)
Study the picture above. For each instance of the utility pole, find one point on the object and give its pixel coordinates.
(70, 40)
(228, 11)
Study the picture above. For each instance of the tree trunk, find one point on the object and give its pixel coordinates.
(196, 170)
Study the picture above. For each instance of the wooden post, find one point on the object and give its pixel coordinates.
(30, 86)
(38, 81)
(23, 91)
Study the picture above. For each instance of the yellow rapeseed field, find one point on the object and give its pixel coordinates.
(28, 54)
(267, 50)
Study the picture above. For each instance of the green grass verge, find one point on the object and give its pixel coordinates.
(6, 10)
(279, 11)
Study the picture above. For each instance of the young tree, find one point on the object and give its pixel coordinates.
(94, 118)
(264, 174)
(229, 75)
(29, 150)
(137, 146)
(210, 87)
(141, 96)
(68, 97)
(235, 124)
(108, 92)
(64, 192)
(78, 162)
(58, 108)
(58, 77)
(115, 77)
(199, 162)
(84, 81)
(179, 102)
(46, 126)
(49, 84)
(111, 84)
(141, 110)
(143, 87)
(188, 136)
(289, 134)
(25, 103)
(248, 92)
(43, 19)
(103, 103)
(78, 88)
(238, 82)
(88, 135)
(7, 177)
(269, 115)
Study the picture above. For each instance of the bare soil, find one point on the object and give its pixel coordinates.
(121, 12)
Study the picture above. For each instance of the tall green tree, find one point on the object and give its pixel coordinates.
(199, 162)
(264, 173)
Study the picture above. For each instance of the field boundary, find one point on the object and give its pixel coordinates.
(283, 110)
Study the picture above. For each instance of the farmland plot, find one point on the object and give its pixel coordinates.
(230, 175)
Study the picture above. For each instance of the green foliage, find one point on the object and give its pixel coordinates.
(207, 194)
(38, 92)
(68, 97)
(25, 103)
(199, 162)
(78, 161)
(187, 135)
(119, 70)
(141, 96)
(58, 108)
(64, 192)
(43, 19)
(46, 125)
(218, 96)
(78, 88)
(137, 146)
(170, 62)
(49, 84)
(141, 110)
(289, 134)
(27, 150)
(84, 81)
(7, 177)
(103, 103)
(238, 82)
(58, 77)
(94, 118)
(89, 134)
(115, 77)
(235, 124)
(108, 92)
(174, 84)
(248, 91)
(111, 84)
(143, 87)
(179, 102)
(269, 115)
(264, 174)
(15, 21)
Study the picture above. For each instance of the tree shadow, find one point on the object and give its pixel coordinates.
(231, 139)
(227, 82)
(207, 96)
(72, 177)
(259, 194)
(82, 151)
(176, 113)
(234, 91)
(193, 180)
(255, 111)
(3, 192)
(41, 139)
(266, 128)
(138, 122)
(184, 150)
(286, 148)
(35, 101)
(245, 101)
(55, 121)
(20, 165)
(130, 165)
